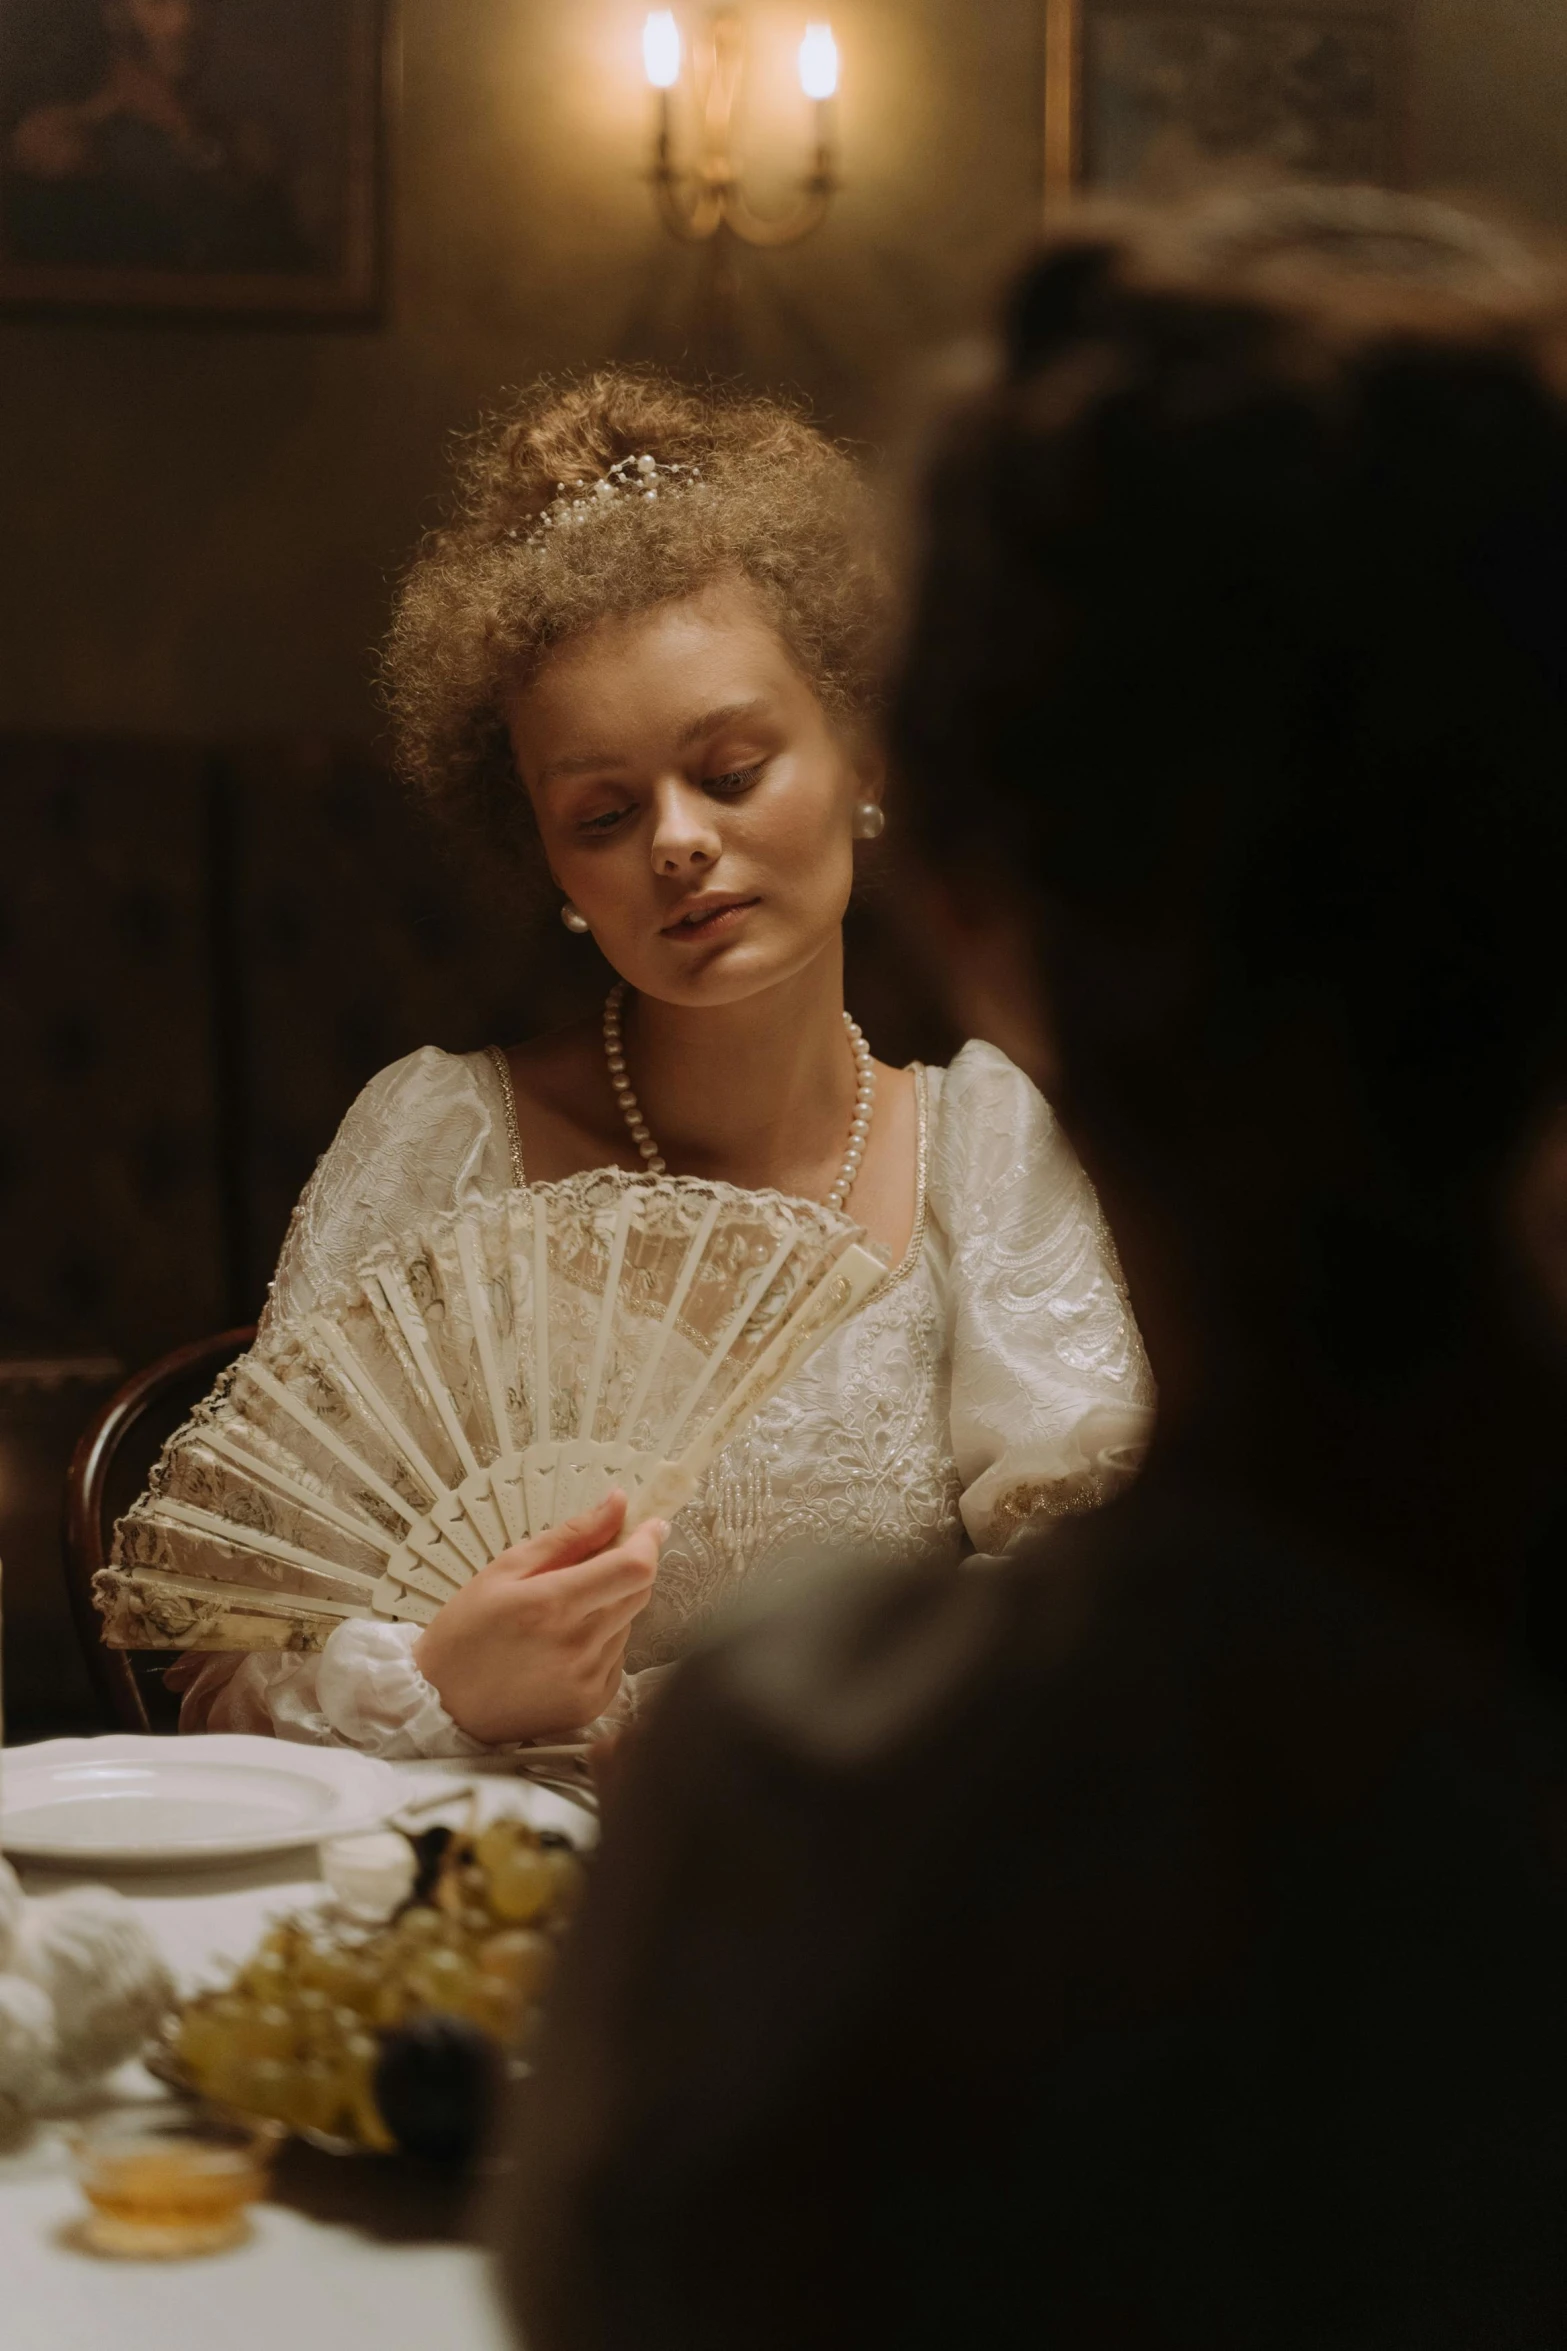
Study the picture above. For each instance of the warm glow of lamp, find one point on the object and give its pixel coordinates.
(661, 49)
(704, 196)
(818, 62)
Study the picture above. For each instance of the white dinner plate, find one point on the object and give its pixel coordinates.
(136, 1800)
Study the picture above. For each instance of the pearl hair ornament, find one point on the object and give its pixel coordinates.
(575, 503)
(653, 1159)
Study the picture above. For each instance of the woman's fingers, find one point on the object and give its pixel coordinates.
(626, 1573)
(612, 1648)
(614, 1621)
(592, 1536)
(519, 1652)
(601, 1676)
(536, 1641)
(609, 1629)
(576, 1538)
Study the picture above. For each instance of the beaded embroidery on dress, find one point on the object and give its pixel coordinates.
(852, 1457)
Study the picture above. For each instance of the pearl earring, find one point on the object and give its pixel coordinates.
(573, 920)
(870, 820)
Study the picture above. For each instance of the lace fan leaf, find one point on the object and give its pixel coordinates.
(470, 1387)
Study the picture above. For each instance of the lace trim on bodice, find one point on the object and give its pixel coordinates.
(500, 1061)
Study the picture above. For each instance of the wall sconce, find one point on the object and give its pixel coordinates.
(698, 199)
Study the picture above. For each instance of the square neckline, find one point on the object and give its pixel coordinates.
(500, 1062)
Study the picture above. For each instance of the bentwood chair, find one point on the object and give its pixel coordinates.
(109, 1468)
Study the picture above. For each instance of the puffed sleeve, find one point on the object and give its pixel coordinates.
(425, 1134)
(1052, 1399)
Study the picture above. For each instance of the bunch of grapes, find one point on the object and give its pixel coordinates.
(337, 2031)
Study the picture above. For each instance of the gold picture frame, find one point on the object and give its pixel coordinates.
(1304, 88)
(1063, 100)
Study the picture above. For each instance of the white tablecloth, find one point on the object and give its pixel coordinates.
(350, 2255)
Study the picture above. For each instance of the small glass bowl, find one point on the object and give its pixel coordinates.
(164, 2182)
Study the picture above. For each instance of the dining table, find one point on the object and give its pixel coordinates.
(346, 2250)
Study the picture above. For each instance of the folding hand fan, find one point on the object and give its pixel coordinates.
(470, 1387)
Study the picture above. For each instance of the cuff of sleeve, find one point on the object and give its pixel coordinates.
(375, 1698)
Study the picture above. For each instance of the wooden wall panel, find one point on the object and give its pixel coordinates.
(107, 1139)
(356, 939)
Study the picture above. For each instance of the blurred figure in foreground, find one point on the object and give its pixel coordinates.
(1162, 1939)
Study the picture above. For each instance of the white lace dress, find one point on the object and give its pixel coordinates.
(995, 1381)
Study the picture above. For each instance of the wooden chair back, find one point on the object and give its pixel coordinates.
(110, 1467)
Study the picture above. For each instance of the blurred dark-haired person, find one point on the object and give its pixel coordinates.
(1161, 1938)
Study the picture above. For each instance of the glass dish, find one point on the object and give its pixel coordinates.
(164, 2182)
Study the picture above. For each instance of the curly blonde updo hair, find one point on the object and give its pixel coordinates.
(776, 504)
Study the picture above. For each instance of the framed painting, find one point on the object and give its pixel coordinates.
(1162, 96)
(217, 157)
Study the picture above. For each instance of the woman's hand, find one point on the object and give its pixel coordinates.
(534, 1643)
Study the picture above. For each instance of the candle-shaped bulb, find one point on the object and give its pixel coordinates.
(661, 49)
(818, 62)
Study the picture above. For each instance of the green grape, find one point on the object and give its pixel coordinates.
(495, 1845)
(356, 1982)
(265, 2032)
(520, 1959)
(314, 1966)
(441, 1979)
(329, 1968)
(360, 2059)
(265, 2086)
(493, 2005)
(567, 1880)
(391, 2001)
(359, 2055)
(313, 2016)
(316, 2096)
(224, 2041)
(203, 2037)
(226, 2076)
(522, 1886)
(267, 1977)
(420, 1925)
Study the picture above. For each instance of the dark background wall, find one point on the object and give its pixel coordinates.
(200, 523)
(215, 917)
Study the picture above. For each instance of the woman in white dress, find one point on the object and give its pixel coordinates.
(647, 647)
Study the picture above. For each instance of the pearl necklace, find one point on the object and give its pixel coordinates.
(631, 1111)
